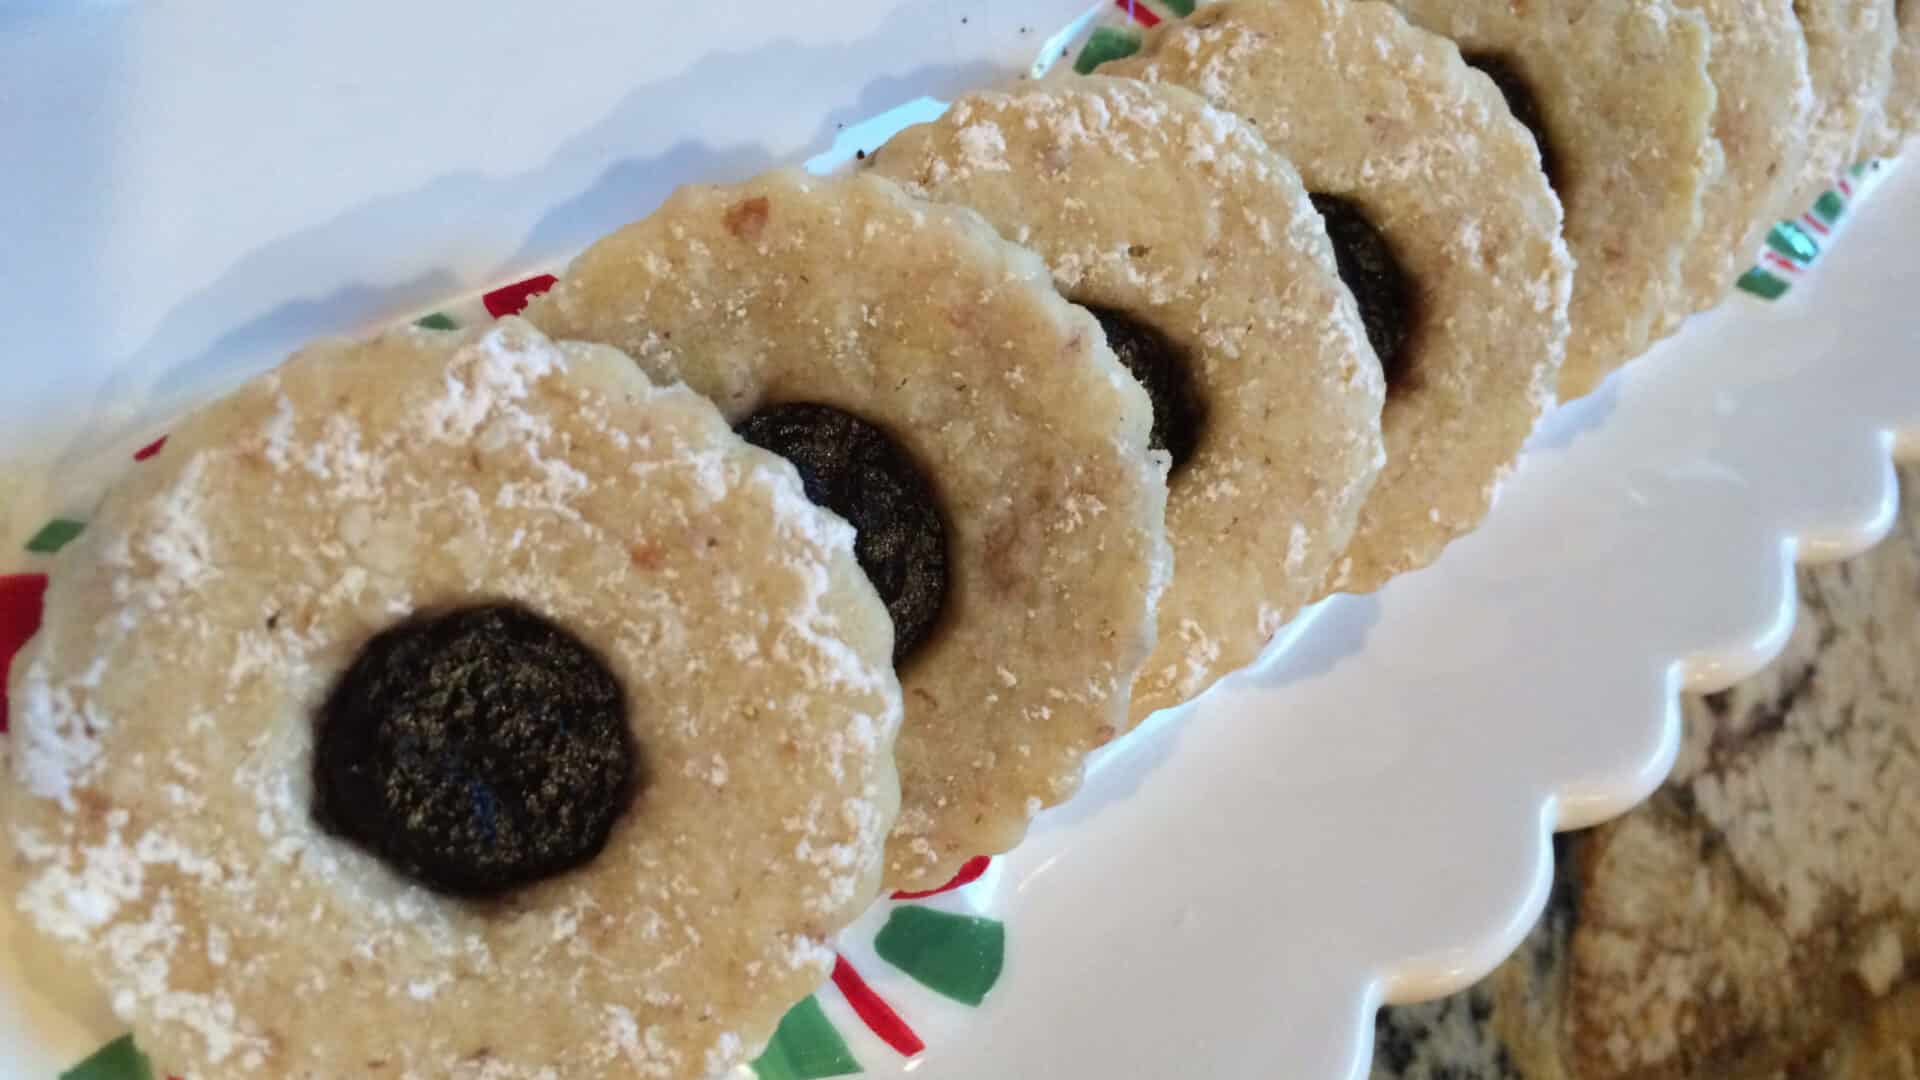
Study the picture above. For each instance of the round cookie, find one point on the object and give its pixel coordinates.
(1903, 95)
(1901, 120)
(1850, 56)
(920, 321)
(1763, 100)
(1151, 205)
(1626, 106)
(1389, 118)
(1684, 301)
(538, 528)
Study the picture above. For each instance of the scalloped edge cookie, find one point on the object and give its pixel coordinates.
(1901, 119)
(1628, 103)
(1850, 57)
(1145, 200)
(1390, 117)
(1762, 107)
(162, 750)
(921, 320)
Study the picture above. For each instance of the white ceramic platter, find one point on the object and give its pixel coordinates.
(187, 195)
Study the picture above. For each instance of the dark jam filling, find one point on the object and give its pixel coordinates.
(1164, 370)
(1384, 293)
(1522, 104)
(859, 472)
(477, 751)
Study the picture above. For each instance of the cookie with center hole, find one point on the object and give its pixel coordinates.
(1850, 47)
(1763, 102)
(1620, 98)
(1903, 95)
(893, 346)
(1900, 120)
(454, 704)
(1411, 150)
(1196, 246)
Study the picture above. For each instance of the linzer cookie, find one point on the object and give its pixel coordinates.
(1197, 248)
(937, 392)
(1624, 108)
(1763, 101)
(454, 705)
(1445, 228)
(1901, 118)
(1850, 56)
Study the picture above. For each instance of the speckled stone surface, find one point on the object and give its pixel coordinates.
(1760, 915)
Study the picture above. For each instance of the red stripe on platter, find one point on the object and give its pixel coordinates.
(874, 1011)
(1814, 223)
(970, 872)
(1138, 12)
(512, 299)
(1775, 260)
(22, 596)
(1846, 188)
(150, 449)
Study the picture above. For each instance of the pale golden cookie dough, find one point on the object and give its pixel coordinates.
(1389, 117)
(1850, 56)
(1763, 102)
(1145, 200)
(922, 321)
(1901, 119)
(1623, 88)
(162, 751)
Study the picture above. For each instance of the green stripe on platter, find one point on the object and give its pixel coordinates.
(439, 320)
(1762, 284)
(55, 535)
(959, 956)
(1182, 8)
(1829, 206)
(1106, 43)
(118, 1060)
(1792, 241)
(805, 1047)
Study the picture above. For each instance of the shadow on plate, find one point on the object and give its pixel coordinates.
(209, 343)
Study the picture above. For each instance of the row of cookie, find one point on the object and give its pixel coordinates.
(1674, 132)
(904, 352)
(481, 616)
(518, 678)
(1018, 470)
(1342, 360)
(1439, 160)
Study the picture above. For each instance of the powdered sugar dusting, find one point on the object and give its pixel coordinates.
(983, 147)
(925, 321)
(1230, 219)
(484, 382)
(1394, 120)
(320, 503)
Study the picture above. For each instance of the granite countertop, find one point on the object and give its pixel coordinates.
(1756, 916)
